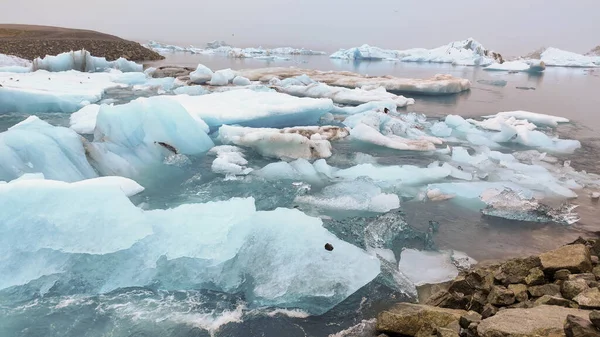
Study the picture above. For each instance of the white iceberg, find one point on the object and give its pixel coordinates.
(256, 109)
(288, 143)
(201, 75)
(535, 118)
(438, 85)
(11, 60)
(132, 136)
(431, 267)
(34, 146)
(217, 243)
(554, 57)
(317, 173)
(346, 96)
(517, 66)
(229, 160)
(194, 90)
(222, 77)
(466, 52)
(241, 81)
(84, 120)
(83, 61)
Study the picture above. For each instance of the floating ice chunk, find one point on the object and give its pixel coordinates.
(317, 173)
(356, 195)
(289, 143)
(496, 123)
(367, 134)
(143, 132)
(472, 190)
(342, 95)
(540, 140)
(201, 75)
(517, 66)
(83, 61)
(365, 52)
(241, 81)
(230, 160)
(458, 173)
(194, 90)
(222, 77)
(406, 174)
(36, 146)
(370, 106)
(128, 186)
(423, 267)
(441, 129)
(438, 85)
(595, 195)
(42, 91)
(536, 118)
(555, 57)
(84, 120)
(257, 109)
(66, 217)
(497, 83)
(513, 206)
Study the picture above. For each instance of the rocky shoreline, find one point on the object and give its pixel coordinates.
(30, 42)
(554, 294)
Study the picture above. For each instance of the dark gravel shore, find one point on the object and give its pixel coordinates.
(29, 42)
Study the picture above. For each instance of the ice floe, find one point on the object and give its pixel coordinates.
(229, 160)
(466, 52)
(142, 133)
(518, 66)
(288, 143)
(438, 85)
(84, 120)
(554, 57)
(255, 109)
(34, 146)
(430, 267)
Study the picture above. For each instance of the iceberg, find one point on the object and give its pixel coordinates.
(194, 90)
(554, 57)
(11, 60)
(317, 173)
(358, 195)
(255, 109)
(288, 143)
(346, 96)
(466, 52)
(222, 77)
(83, 61)
(229, 161)
(34, 146)
(519, 66)
(431, 267)
(535, 118)
(438, 85)
(217, 244)
(42, 91)
(132, 136)
(201, 75)
(241, 81)
(84, 120)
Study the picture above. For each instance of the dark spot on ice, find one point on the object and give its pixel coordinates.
(386, 110)
(296, 206)
(460, 167)
(167, 146)
(328, 247)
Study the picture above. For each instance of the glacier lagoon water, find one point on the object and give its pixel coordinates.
(70, 308)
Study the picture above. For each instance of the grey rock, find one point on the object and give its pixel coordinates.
(570, 289)
(443, 332)
(562, 274)
(553, 300)
(488, 311)
(595, 260)
(595, 318)
(516, 270)
(546, 289)
(588, 277)
(468, 318)
(501, 296)
(576, 258)
(580, 327)
(535, 277)
(589, 299)
(596, 272)
(520, 291)
(408, 319)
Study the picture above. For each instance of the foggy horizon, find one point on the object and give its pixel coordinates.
(512, 28)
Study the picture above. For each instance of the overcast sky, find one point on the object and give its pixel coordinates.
(512, 27)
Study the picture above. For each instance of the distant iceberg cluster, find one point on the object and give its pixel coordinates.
(222, 48)
(467, 52)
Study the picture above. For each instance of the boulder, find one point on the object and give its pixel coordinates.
(580, 327)
(553, 300)
(595, 260)
(501, 296)
(596, 272)
(444, 332)
(449, 300)
(543, 320)
(588, 277)
(468, 318)
(588, 299)
(570, 289)
(520, 291)
(516, 270)
(408, 319)
(488, 311)
(562, 274)
(523, 305)
(595, 318)
(576, 258)
(546, 289)
(536, 277)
